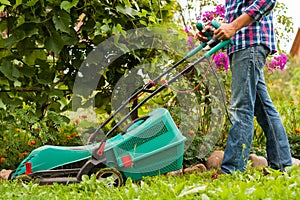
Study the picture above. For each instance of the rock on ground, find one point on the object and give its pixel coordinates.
(295, 161)
(214, 161)
(258, 161)
(4, 174)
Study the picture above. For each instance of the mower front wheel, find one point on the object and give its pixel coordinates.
(111, 176)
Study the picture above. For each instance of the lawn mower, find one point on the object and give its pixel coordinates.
(149, 145)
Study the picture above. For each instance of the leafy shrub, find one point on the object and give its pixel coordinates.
(22, 131)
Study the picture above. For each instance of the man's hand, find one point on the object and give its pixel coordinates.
(202, 37)
(225, 31)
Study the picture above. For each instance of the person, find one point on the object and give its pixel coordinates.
(250, 26)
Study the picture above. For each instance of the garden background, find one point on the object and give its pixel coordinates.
(44, 43)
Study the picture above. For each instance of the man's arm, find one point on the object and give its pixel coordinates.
(254, 12)
(260, 8)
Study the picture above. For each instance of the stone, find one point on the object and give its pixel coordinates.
(258, 161)
(4, 174)
(197, 168)
(214, 161)
(295, 161)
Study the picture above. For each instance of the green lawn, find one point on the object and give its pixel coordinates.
(249, 185)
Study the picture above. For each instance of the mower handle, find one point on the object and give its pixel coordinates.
(210, 37)
(137, 122)
(207, 34)
(219, 46)
(149, 85)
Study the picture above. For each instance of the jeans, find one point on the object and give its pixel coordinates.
(250, 98)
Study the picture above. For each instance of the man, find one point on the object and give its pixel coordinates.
(250, 25)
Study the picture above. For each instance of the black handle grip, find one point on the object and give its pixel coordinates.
(144, 118)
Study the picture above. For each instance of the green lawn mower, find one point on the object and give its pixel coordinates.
(150, 145)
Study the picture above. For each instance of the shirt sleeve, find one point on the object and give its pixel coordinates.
(260, 8)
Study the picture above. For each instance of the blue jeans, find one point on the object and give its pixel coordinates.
(249, 98)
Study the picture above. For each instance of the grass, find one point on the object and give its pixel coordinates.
(251, 184)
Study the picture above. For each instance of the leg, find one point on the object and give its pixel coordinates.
(243, 95)
(278, 150)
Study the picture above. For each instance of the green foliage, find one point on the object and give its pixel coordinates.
(283, 25)
(42, 47)
(45, 42)
(287, 101)
(250, 185)
(22, 131)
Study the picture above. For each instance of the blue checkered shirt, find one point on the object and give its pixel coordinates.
(261, 31)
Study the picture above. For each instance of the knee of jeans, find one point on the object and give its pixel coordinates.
(241, 115)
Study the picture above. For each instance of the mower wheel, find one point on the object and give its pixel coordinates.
(111, 176)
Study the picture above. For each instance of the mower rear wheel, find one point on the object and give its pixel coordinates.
(112, 176)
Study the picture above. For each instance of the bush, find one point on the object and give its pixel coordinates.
(22, 132)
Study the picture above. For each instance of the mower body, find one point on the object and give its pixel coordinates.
(147, 148)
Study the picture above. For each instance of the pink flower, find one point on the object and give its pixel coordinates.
(278, 62)
(191, 42)
(208, 16)
(221, 60)
(187, 29)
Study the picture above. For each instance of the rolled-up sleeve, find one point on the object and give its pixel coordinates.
(260, 8)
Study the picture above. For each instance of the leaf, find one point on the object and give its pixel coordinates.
(31, 2)
(25, 30)
(66, 5)
(127, 3)
(30, 59)
(2, 8)
(5, 2)
(18, 2)
(27, 71)
(70, 39)
(62, 21)
(192, 190)
(3, 82)
(152, 19)
(56, 92)
(127, 11)
(117, 29)
(9, 70)
(143, 13)
(54, 43)
(2, 105)
(45, 77)
(143, 22)
(104, 28)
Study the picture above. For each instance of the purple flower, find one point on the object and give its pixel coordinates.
(221, 60)
(187, 29)
(208, 16)
(220, 10)
(278, 62)
(191, 42)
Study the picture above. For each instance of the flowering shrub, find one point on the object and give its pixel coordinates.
(275, 62)
(217, 14)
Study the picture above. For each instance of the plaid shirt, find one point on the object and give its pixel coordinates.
(261, 31)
